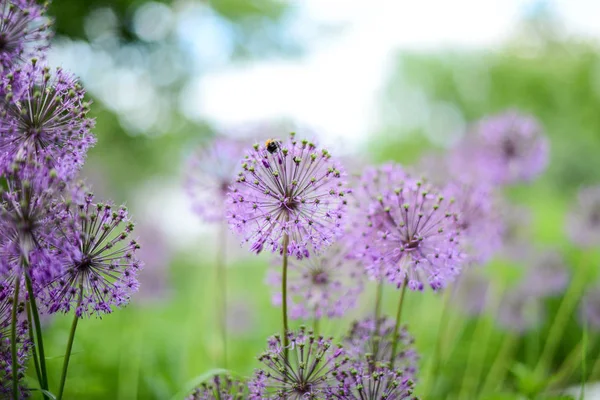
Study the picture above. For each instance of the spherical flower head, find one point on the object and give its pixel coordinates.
(24, 32)
(370, 340)
(28, 211)
(324, 285)
(305, 374)
(520, 310)
(288, 191)
(480, 224)
(411, 236)
(44, 118)
(505, 149)
(583, 223)
(370, 380)
(23, 342)
(548, 274)
(516, 232)
(211, 171)
(99, 264)
(221, 387)
(590, 308)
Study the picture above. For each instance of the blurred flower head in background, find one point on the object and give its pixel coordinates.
(583, 221)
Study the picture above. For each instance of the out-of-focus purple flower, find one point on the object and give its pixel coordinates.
(221, 387)
(504, 149)
(590, 308)
(44, 118)
(411, 234)
(548, 274)
(480, 225)
(211, 171)
(323, 285)
(24, 31)
(23, 343)
(154, 282)
(368, 337)
(516, 233)
(28, 215)
(307, 372)
(100, 267)
(288, 188)
(583, 223)
(471, 292)
(520, 311)
(369, 380)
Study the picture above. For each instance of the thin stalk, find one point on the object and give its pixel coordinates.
(316, 326)
(567, 367)
(63, 377)
(38, 331)
(13, 340)
(222, 282)
(583, 360)
(31, 338)
(284, 299)
(397, 326)
(377, 336)
(499, 367)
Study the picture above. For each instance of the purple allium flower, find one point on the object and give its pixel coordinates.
(288, 188)
(506, 148)
(211, 171)
(24, 31)
(471, 292)
(516, 233)
(370, 380)
(547, 276)
(99, 268)
(480, 225)
(367, 337)
(583, 224)
(222, 387)
(28, 211)
(154, 282)
(23, 343)
(520, 311)
(411, 235)
(305, 374)
(590, 308)
(322, 285)
(45, 119)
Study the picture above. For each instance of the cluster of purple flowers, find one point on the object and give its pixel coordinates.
(59, 249)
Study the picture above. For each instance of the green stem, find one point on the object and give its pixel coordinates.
(583, 360)
(63, 377)
(13, 340)
(31, 338)
(38, 331)
(222, 282)
(499, 367)
(377, 336)
(397, 326)
(316, 326)
(286, 240)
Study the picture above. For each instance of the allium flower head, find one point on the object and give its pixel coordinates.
(305, 374)
(322, 285)
(24, 31)
(222, 387)
(211, 171)
(520, 311)
(288, 189)
(99, 268)
(583, 224)
(44, 119)
(480, 224)
(516, 232)
(366, 337)
(590, 308)
(369, 380)
(548, 274)
(507, 148)
(28, 211)
(411, 235)
(23, 343)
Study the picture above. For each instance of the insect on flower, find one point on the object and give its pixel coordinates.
(272, 145)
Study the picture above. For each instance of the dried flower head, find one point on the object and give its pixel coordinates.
(44, 119)
(211, 171)
(323, 285)
(507, 148)
(305, 374)
(370, 380)
(583, 224)
(288, 191)
(99, 268)
(411, 235)
(221, 387)
(372, 339)
(24, 31)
